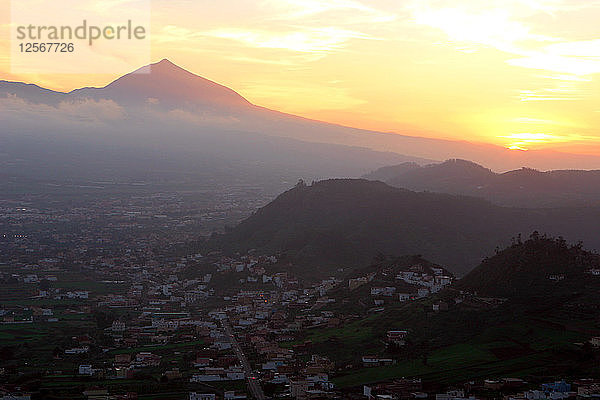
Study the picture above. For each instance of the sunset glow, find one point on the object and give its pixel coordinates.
(520, 74)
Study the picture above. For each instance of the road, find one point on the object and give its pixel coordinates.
(253, 382)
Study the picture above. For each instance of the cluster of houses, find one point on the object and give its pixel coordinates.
(561, 390)
(227, 395)
(159, 304)
(411, 283)
(506, 389)
(163, 309)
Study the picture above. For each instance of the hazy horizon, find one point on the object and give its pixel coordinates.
(519, 74)
(188, 100)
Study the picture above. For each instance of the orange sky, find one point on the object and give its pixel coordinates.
(515, 73)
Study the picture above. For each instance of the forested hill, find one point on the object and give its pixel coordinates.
(346, 222)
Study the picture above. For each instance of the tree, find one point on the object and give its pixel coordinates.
(44, 284)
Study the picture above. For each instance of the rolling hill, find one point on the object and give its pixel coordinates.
(540, 267)
(346, 222)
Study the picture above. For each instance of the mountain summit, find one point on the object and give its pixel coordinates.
(167, 84)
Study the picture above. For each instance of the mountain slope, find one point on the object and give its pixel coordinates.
(166, 88)
(160, 122)
(30, 92)
(347, 222)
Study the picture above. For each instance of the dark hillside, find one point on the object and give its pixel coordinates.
(346, 222)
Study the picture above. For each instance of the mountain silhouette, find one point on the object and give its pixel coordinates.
(524, 187)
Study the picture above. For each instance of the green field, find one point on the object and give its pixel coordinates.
(518, 350)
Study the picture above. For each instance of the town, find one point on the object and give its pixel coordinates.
(130, 307)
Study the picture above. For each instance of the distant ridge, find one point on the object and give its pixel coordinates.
(524, 187)
(385, 174)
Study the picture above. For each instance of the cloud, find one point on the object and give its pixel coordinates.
(355, 11)
(306, 40)
(527, 32)
(494, 27)
(92, 110)
(524, 139)
(80, 111)
(503, 26)
(105, 116)
(295, 45)
(578, 58)
(310, 29)
(177, 34)
(562, 91)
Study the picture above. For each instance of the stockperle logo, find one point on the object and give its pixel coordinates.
(79, 36)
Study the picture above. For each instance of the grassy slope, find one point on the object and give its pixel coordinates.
(533, 333)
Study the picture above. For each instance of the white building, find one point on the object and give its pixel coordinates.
(202, 396)
(86, 369)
